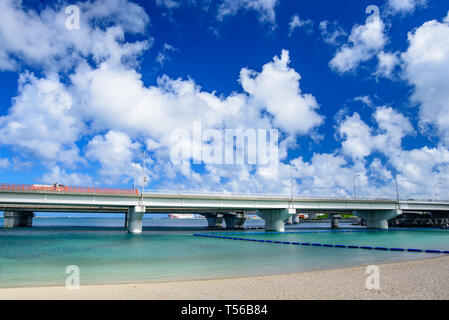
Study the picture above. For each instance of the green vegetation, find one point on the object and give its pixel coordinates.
(345, 215)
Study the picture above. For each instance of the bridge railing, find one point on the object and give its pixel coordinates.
(61, 188)
(255, 194)
(74, 189)
(282, 196)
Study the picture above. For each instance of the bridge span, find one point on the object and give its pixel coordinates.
(19, 202)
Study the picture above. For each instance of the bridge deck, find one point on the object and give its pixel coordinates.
(88, 199)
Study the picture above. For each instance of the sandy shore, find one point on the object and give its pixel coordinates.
(419, 279)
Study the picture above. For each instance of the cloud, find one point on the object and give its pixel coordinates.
(426, 62)
(131, 17)
(364, 42)
(45, 42)
(42, 121)
(419, 169)
(5, 163)
(296, 22)
(103, 100)
(325, 174)
(163, 55)
(366, 100)
(331, 32)
(359, 140)
(170, 4)
(95, 114)
(387, 63)
(331, 174)
(58, 175)
(277, 90)
(411, 166)
(116, 153)
(264, 8)
(404, 6)
(375, 154)
(154, 112)
(175, 4)
(379, 171)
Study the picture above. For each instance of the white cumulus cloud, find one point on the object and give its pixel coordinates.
(364, 42)
(42, 120)
(387, 63)
(60, 175)
(42, 39)
(426, 62)
(277, 90)
(115, 151)
(404, 6)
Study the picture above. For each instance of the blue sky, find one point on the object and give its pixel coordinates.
(351, 93)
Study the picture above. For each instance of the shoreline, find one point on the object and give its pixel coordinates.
(413, 279)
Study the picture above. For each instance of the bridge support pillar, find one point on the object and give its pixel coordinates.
(135, 219)
(235, 220)
(126, 219)
(274, 218)
(16, 219)
(377, 219)
(289, 220)
(334, 221)
(214, 220)
(296, 219)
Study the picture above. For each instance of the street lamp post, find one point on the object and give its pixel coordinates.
(134, 176)
(291, 182)
(355, 192)
(435, 191)
(143, 172)
(397, 188)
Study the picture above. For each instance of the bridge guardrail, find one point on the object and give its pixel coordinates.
(242, 194)
(107, 190)
(61, 188)
(281, 196)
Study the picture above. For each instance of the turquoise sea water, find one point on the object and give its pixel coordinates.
(434, 239)
(106, 253)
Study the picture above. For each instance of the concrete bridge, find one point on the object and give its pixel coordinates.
(19, 205)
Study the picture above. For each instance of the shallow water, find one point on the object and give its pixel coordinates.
(106, 253)
(433, 239)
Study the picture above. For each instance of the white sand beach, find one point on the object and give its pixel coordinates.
(417, 279)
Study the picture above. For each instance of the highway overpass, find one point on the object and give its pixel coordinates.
(19, 203)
